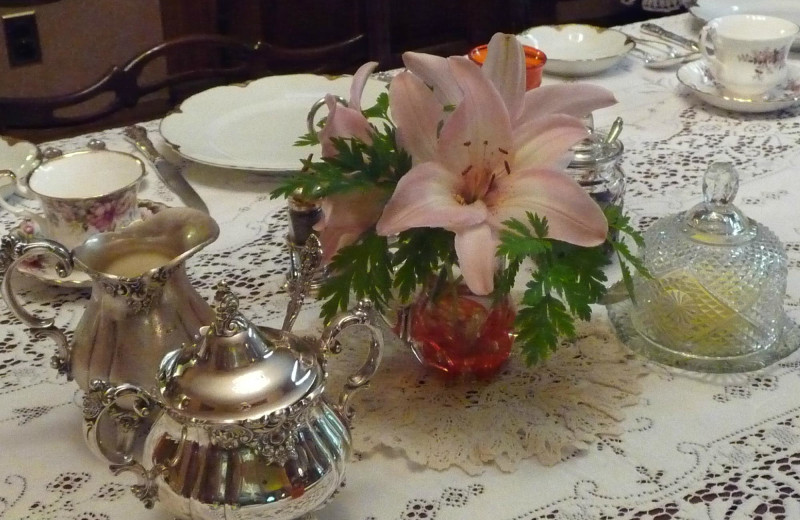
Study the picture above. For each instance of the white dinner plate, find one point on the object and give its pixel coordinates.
(254, 126)
(707, 10)
(577, 49)
(697, 77)
(21, 157)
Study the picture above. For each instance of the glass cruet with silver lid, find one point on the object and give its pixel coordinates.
(714, 302)
(244, 429)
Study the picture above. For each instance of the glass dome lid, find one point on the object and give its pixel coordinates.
(714, 301)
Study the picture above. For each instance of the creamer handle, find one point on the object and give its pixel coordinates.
(363, 315)
(13, 251)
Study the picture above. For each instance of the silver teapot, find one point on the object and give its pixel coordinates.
(244, 430)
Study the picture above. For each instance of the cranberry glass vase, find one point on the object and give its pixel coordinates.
(459, 333)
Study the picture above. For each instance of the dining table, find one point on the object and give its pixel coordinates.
(593, 432)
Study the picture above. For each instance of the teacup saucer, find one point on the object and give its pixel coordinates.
(44, 271)
(697, 77)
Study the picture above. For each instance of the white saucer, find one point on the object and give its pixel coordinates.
(44, 271)
(697, 77)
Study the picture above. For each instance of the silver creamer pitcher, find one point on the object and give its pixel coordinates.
(142, 302)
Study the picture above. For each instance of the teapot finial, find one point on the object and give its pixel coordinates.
(226, 308)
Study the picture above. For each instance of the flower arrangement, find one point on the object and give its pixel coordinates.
(456, 176)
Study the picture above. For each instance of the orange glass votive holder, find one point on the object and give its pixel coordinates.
(534, 63)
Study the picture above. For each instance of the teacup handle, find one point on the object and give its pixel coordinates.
(705, 33)
(312, 113)
(20, 212)
(364, 315)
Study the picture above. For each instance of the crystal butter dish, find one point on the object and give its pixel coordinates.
(715, 299)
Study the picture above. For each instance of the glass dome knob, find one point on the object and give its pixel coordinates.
(720, 183)
(717, 220)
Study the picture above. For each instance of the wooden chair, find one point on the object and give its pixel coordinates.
(206, 60)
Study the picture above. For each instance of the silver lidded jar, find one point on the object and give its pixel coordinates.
(595, 166)
(715, 299)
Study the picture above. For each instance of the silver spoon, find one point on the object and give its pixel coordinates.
(614, 131)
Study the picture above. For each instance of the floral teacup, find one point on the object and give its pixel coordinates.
(747, 53)
(83, 193)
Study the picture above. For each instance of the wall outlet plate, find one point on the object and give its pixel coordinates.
(22, 38)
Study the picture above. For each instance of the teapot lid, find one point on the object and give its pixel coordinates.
(237, 371)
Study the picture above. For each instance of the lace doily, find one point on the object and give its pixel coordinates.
(548, 411)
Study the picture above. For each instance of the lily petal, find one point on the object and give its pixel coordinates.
(417, 114)
(505, 68)
(543, 142)
(342, 122)
(572, 215)
(476, 138)
(435, 72)
(574, 99)
(359, 81)
(345, 216)
(425, 197)
(475, 248)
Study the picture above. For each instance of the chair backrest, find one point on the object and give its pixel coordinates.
(207, 60)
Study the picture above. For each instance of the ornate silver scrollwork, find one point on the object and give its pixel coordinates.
(139, 293)
(273, 436)
(226, 307)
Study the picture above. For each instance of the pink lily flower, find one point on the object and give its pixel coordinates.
(347, 121)
(347, 215)
(505, 68)
(485, 167)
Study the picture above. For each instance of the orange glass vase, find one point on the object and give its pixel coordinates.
(461, 334)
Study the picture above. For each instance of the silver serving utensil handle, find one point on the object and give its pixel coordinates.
(657, 30)
(167, 172)
(310, 262)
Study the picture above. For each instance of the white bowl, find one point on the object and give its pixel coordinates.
(577, 50)
(21, 157)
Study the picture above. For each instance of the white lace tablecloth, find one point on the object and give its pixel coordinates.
(633, 440)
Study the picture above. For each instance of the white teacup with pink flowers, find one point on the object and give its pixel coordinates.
(82, 194)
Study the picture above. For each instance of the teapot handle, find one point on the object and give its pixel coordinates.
(103, 401)
(364, 315)
(13, 251)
